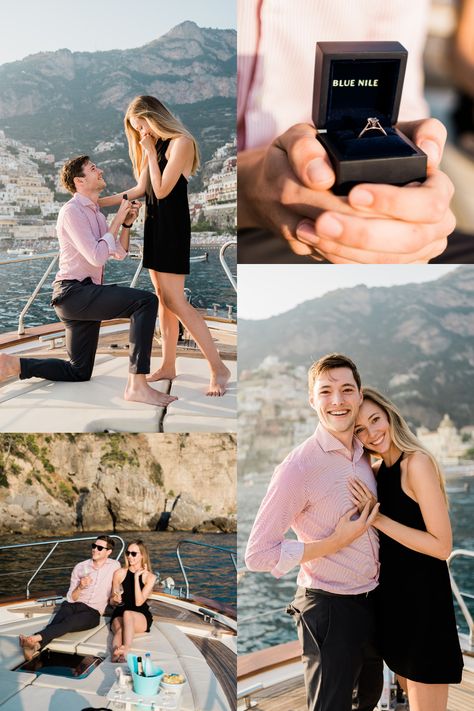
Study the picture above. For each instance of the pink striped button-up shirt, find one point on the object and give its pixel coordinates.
(276, 51)
(309, 493)
(98, 593)
(85, 243)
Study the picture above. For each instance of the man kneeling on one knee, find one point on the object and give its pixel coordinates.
(80, 298)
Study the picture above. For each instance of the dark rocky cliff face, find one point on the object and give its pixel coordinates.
(67, 102)
(62, 484)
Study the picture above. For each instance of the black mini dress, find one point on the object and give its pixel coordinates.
(414, 605)
(128, 600)
(167, 232)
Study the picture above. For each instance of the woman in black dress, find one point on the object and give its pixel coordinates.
(415, 613)
(131, 587)
(164, 155)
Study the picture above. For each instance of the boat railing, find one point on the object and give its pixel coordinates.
(186, 542)
(53, 256)
(53, 546)
(460, 595)
(225, 266)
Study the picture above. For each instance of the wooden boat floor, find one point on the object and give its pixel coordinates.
(116, 343)
(290, 696)
(222, 662)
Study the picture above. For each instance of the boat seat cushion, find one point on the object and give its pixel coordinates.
(10, 652)
(42, 698)
(99, 644)
(194, 411)
(70, 641)
(12, 682)
(93, 406)
(180, 642)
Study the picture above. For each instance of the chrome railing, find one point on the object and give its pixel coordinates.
(31, 258)
(459, 594)
(225, 266)
(54, 545)
(229, 552)
(54, 258)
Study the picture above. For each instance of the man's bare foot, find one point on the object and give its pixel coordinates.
(145, 393)
(218, 382)
(161, 374)
(30, 652)
(9, 366)
(29, 641)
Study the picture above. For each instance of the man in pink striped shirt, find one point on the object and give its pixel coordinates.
(336, 548)
(87, 598)
(80, 298)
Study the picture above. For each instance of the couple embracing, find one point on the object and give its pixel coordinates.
(357, 603)
(164, 155)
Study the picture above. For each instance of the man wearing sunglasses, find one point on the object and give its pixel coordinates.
(87, 598)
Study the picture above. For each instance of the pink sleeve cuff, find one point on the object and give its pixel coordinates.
(110, 239)
(291, 553)
(115, 246)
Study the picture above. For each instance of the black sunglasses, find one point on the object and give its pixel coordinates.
(132, 553)
(99, 548)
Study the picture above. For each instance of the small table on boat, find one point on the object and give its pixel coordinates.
(125, 699)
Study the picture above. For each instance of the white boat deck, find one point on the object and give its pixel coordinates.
(38, 405)
(170, 648)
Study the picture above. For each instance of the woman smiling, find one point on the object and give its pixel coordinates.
(415, 615)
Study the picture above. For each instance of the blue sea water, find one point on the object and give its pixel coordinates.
(207, 282)
(211, 573)
(261, 593)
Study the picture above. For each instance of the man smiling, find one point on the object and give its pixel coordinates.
(80, 298)
(336, 549)
(87, 598)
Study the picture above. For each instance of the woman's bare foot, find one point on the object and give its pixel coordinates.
(122, 654)
(9, 366)
(218, 382)
(145, 393)
(117, 654)
(161, 374)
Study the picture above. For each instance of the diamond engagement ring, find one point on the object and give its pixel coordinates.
(373, 124)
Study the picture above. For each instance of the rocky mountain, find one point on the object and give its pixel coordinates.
(68, 102)
(415, 341)
(67, 483)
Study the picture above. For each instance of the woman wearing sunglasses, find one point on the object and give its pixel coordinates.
(131, 587)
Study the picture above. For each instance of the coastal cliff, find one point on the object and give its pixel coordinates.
(61, 484)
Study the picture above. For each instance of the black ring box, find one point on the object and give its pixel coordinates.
(355, 81)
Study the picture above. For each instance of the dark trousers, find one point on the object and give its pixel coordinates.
(340, 657)
(81, 306)
(71, 617)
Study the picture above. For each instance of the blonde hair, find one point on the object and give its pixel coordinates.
(143, 550)
(162, 122)
(400, 434)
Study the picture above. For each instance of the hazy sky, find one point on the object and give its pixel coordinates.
(30, 26)
(266, 290)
